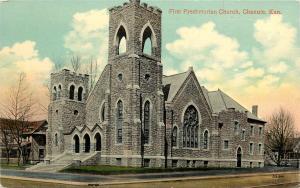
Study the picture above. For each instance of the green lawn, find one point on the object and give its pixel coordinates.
(106, 170)
(13, 166)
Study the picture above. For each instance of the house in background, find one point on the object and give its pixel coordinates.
(33, 141)
(293, 156)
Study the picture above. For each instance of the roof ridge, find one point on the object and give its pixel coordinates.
(213, 90)
(221, 94)
(208, 98)
(181, 84)
(237, 103)
(175, 74)
(233, 99)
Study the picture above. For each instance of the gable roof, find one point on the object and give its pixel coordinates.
(216, 100)
(173, 83)
(30, 126)
(35, 126)
(220, 101)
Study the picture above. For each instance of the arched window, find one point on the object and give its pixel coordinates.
(196, 136)
(121, 40)
(56, 139)
(119, 121)
(184, 136)
(239, 157)
(87, 143)
(205, 140)
(188, 137)
(122, 45)
(59, 92)
(71, 92)
(190, 127)
(192, 136)
(174, 137)
(146, 127)
(54, 93)
(98, 142)
(80, 90)
(147, 46)
(147, 43)
(76, 144)
(102, 112)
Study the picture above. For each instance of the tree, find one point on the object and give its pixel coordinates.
(18, 110)
(93, 72)
(6, 140)
(75, 63)
(279, 136)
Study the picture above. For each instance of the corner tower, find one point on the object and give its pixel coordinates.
(66, 109)
(136, 84)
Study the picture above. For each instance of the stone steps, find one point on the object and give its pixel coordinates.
(50, 168)
(60, 163)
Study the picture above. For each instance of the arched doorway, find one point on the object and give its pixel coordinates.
(239, 157)
(76, 144)
(87, 143)
(98, 142)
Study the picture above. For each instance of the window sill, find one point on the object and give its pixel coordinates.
(189, 148)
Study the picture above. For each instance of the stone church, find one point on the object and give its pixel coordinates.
(136, 116)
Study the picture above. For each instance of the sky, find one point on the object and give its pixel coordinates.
(255, 58)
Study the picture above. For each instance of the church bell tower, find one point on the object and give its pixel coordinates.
(136, 84)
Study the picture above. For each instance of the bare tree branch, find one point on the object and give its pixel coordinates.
(93, 72)
(18, 110)
(280, 134)
(76, 63)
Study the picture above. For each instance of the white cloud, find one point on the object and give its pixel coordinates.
(23, 57)
(24, 50)
(209, 74)
(89, 35)
(253, 72)
(251, 76)
(277, 39)
(170, 72)
(281, 67)
(247, 64)
(204, 44)
(268, 80)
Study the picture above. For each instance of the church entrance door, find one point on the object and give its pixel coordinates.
(98, 142)
(87, 143)
(76, 143)
(239, 157)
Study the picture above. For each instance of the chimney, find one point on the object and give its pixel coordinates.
(254, 110)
